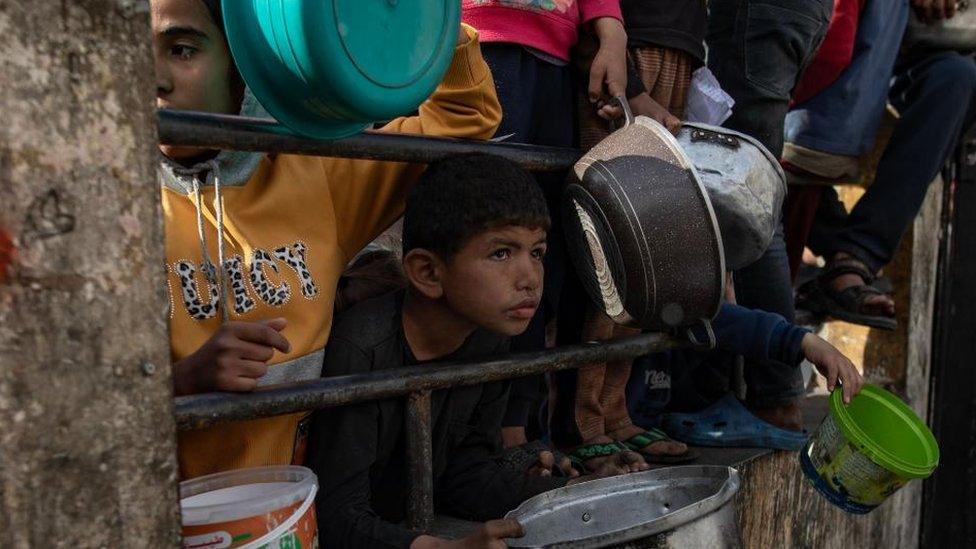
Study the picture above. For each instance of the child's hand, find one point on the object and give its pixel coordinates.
(644, 105)
(546, 464)
(832, 364)
(620, 463)
(490, 535)
(609, 66)
(232, 359)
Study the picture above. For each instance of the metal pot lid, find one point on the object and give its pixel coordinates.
(614, 510)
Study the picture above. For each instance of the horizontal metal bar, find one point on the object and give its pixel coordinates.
(222, 131)
(219, 131)
(196, 411)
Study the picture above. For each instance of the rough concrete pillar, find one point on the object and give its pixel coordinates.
(87, 440)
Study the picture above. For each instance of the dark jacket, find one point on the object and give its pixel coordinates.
(674, 380)
(358, 451)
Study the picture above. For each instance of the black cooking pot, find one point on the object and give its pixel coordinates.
(641, 231)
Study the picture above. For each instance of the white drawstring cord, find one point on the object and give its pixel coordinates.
(219, 212)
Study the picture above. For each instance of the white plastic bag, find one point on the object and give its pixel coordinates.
(707, 101)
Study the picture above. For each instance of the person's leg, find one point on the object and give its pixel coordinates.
(576, 413)
(771, 387)
(830, 217)
(757, 51)
(617, 421)
(935, 99)
(666, 74)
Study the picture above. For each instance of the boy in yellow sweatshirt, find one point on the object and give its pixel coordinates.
(281, 226)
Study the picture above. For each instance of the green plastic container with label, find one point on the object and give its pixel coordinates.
(329, 68)
(865, 451)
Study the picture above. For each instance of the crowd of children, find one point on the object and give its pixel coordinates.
(269, 284)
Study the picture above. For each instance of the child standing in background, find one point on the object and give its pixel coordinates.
(665, 40)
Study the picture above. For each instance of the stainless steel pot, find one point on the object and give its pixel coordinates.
(641, 230)
(745, 183)
(957, 33)
(687, 507)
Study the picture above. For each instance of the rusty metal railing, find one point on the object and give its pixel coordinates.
(197, 129)
(415, 383)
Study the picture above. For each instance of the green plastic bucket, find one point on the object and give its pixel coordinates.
(329, 68)
(865, 451)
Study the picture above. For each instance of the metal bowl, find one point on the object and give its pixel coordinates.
(688, 506)
(745, 184)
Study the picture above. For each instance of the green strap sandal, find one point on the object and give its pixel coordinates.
(640, 441)
(586, 452)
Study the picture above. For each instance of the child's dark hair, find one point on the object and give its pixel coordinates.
(371, 274)
(235, 80)
(213, 6)
(461, 196)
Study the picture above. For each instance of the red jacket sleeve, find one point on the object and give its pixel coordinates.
(593, 9)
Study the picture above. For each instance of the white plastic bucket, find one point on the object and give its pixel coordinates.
(257, 508)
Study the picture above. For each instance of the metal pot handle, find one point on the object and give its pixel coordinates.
(628, 115)
(706, 325)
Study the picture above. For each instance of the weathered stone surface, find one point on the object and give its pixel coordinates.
(776, 506)
(87, 443)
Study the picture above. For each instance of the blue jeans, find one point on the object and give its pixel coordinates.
(936, 98)
(757, 50)
(844, 117)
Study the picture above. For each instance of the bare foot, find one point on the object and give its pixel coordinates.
(659, 448)
(880, 304)
(787, 416)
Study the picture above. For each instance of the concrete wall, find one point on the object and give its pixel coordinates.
(87, 443)
(776, 506)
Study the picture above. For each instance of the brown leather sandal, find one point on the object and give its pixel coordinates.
(819, 297)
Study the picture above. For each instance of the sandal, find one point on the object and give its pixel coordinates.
(581, 454)
(817, 296)
(650, 436)
(727, 423)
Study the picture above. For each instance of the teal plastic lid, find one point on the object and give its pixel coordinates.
(329, 68)
(886, 430)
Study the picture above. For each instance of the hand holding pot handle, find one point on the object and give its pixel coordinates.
(624, 105)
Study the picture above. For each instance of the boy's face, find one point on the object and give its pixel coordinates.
(193, 64)
(495, 280)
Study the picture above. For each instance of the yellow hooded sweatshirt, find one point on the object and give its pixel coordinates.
(289, 225)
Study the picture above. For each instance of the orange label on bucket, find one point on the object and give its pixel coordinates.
(238, 533)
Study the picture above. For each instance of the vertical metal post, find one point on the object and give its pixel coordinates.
(420, 499)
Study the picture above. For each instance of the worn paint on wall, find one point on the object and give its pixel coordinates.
(7, 251)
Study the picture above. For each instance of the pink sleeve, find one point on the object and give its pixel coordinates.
(592, 9)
